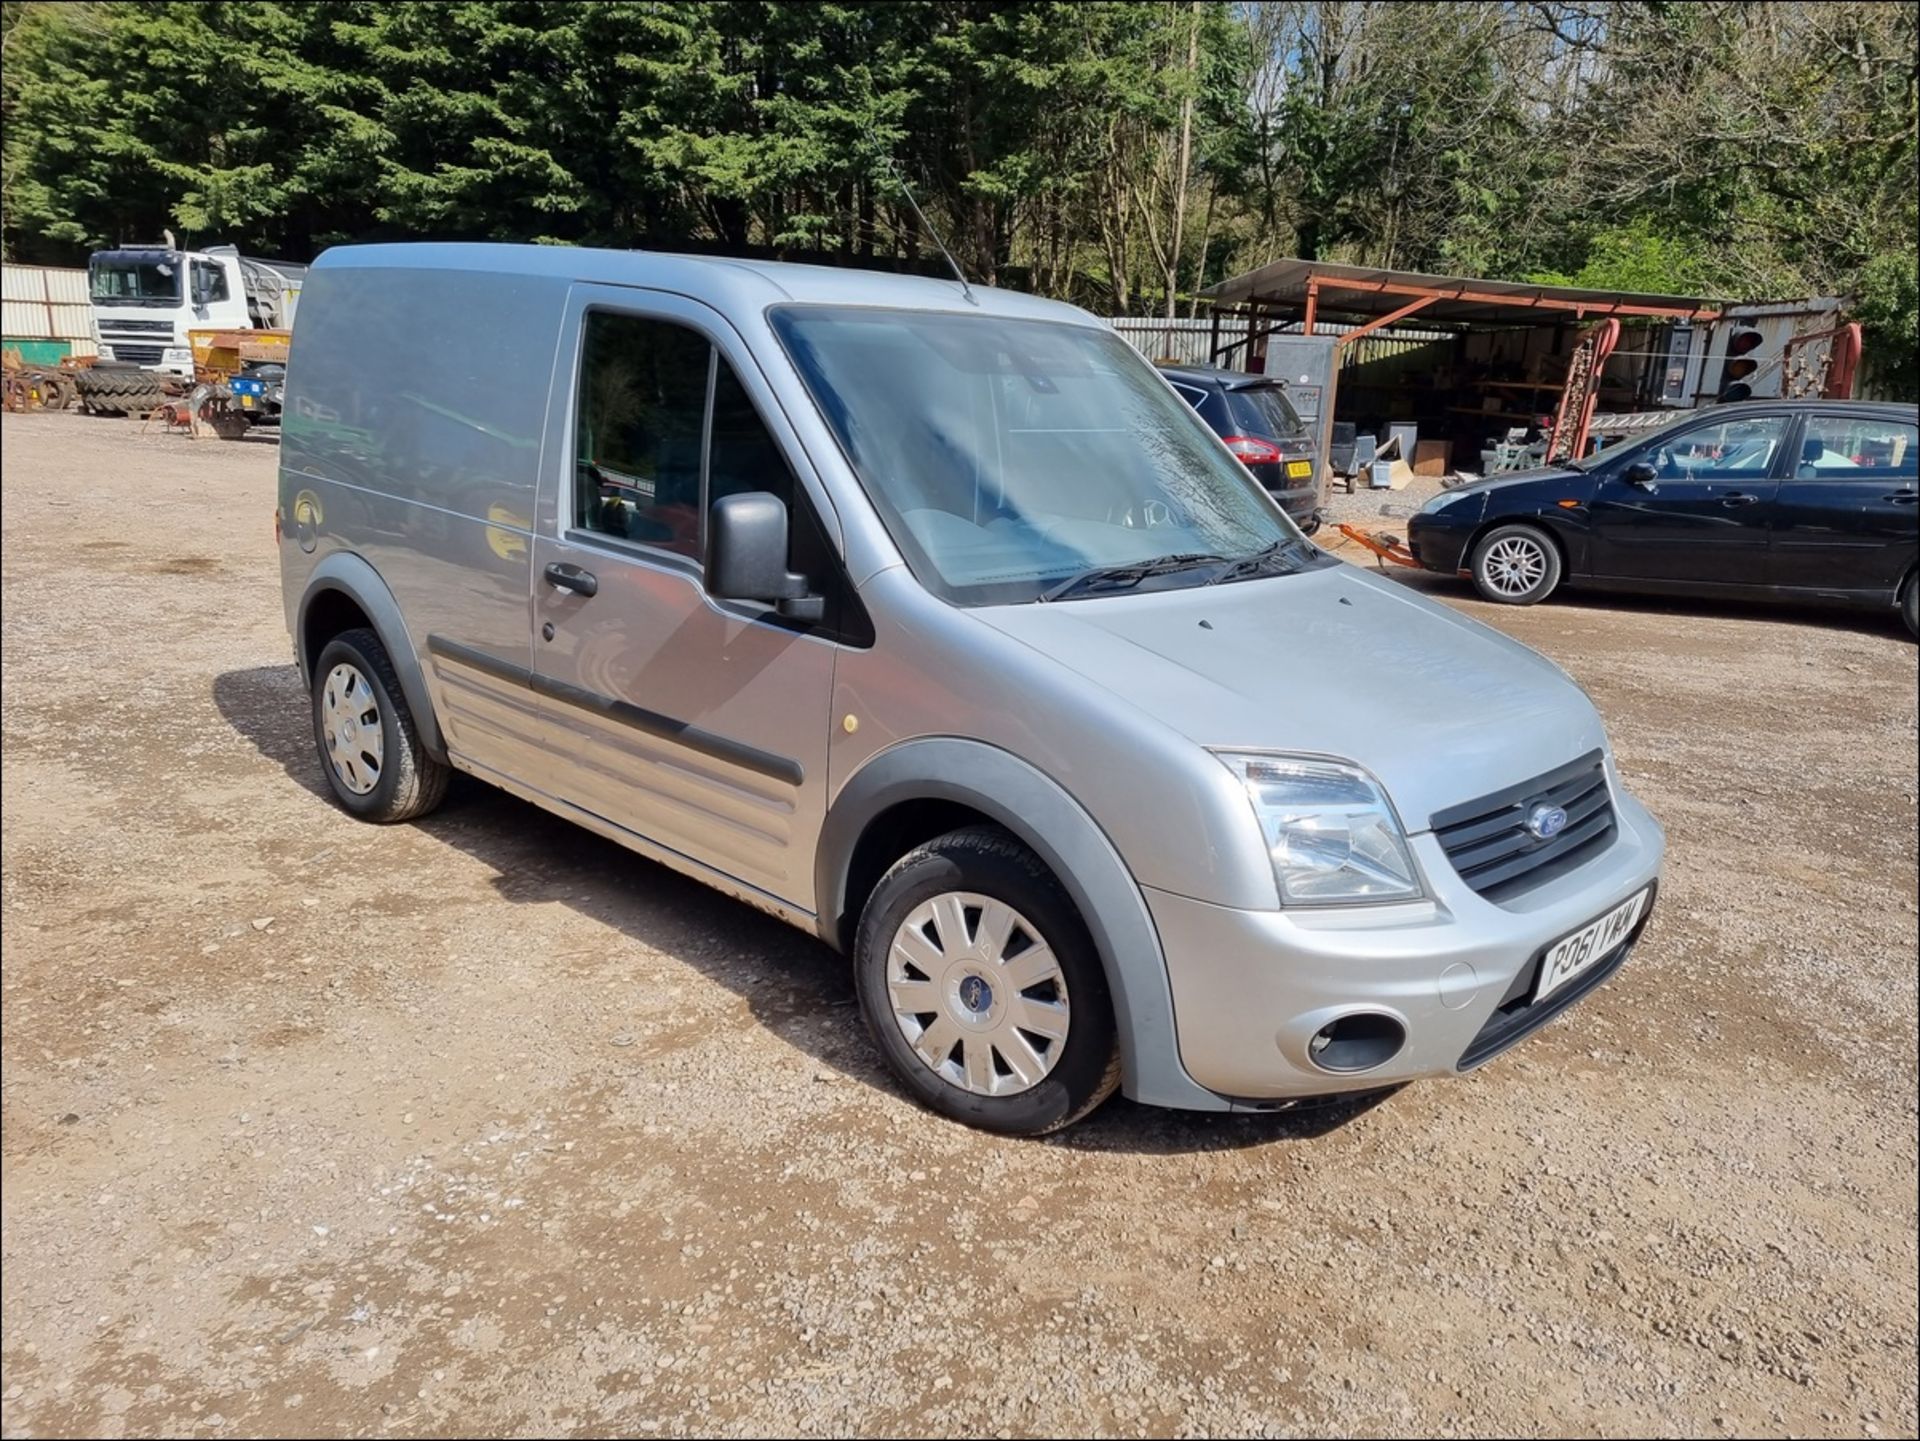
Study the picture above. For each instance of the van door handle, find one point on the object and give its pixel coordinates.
(1739, 497)
(571, 577)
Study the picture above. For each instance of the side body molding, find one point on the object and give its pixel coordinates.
(356, 579)
(1035, 808)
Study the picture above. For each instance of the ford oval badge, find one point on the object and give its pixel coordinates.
(1546, 822)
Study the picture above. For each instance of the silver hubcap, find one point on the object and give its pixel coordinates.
(1515, 565)
(978, 994)
(350, 718)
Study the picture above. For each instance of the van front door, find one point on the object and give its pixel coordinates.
(697, 726)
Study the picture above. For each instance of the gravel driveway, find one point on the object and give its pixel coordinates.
(485, 1125)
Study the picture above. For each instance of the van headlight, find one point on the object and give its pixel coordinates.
(1329, 828)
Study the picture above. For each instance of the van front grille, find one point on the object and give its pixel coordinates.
(1495, 850)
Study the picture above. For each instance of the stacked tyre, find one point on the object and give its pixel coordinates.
(120, 390)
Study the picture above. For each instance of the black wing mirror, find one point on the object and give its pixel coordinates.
(747, 556)
(1641, 472)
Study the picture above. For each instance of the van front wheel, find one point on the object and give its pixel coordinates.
(369, 746)
(982, 988)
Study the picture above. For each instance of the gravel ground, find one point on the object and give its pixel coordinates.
(484, 1125)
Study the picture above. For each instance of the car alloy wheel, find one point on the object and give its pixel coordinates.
(1514, 565)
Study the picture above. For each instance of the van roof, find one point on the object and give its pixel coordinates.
(718, 281)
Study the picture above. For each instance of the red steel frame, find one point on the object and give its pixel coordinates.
(1843, 358)
(1427, 294)
(1577, 402)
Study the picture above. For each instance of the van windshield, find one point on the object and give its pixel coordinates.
(1009, 457)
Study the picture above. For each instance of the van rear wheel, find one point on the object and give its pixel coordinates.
(982, 988)
(369, 746)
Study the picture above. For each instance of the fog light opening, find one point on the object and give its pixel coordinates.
(1357, 1043)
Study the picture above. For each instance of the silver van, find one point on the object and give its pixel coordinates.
(934, 622)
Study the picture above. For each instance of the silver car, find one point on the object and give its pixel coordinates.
(934, 622)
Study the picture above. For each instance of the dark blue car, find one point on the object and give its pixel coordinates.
(1774, 500)
(1252, 414)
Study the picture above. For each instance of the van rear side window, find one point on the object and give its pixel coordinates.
(638, 439)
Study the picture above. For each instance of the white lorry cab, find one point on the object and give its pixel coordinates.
(146, 298)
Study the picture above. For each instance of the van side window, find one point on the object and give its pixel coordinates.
(642, 408)
(744, 456)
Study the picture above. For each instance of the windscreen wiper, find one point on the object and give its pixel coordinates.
(1120, 576)
(1266, 560)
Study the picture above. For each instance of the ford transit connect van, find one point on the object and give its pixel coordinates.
(934, 622)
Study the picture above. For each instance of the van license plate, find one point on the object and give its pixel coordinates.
(1588, 945)
(1299, 469)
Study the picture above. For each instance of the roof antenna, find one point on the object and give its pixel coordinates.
(939, 244)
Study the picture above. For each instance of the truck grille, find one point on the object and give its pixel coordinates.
(136, 354)
(1495, 853)
(137, 327)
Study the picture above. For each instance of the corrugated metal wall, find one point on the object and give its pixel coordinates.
(1190, 342)
(42, 303)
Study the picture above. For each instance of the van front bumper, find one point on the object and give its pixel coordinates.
(1252, 988)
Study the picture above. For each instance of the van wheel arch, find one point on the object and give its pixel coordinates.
(329, 612)
(981, 781)
(896, 832)
(346, 593)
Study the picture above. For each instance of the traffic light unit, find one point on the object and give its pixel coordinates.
(1740, 365)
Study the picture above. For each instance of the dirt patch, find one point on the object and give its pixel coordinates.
(484, 1124)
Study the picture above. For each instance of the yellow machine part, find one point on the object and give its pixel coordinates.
(220, 353)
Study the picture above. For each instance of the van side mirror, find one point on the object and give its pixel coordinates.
(1641, 472)
(747, 556)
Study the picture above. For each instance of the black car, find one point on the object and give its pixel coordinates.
(1813, 500)
(1259, 424)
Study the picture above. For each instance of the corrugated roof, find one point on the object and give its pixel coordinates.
(1358, 290)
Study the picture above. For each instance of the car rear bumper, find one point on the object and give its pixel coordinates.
(1299, 497)
(1299, 504)
(1252, 988)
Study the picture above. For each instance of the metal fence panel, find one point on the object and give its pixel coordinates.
(66, 287)
(1190, 342)
(25, 318)
(45, 303)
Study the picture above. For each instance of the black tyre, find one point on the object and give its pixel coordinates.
(982, 988)
(119, 390)
(369, 746)
(1910, 605)
(1516, 565)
